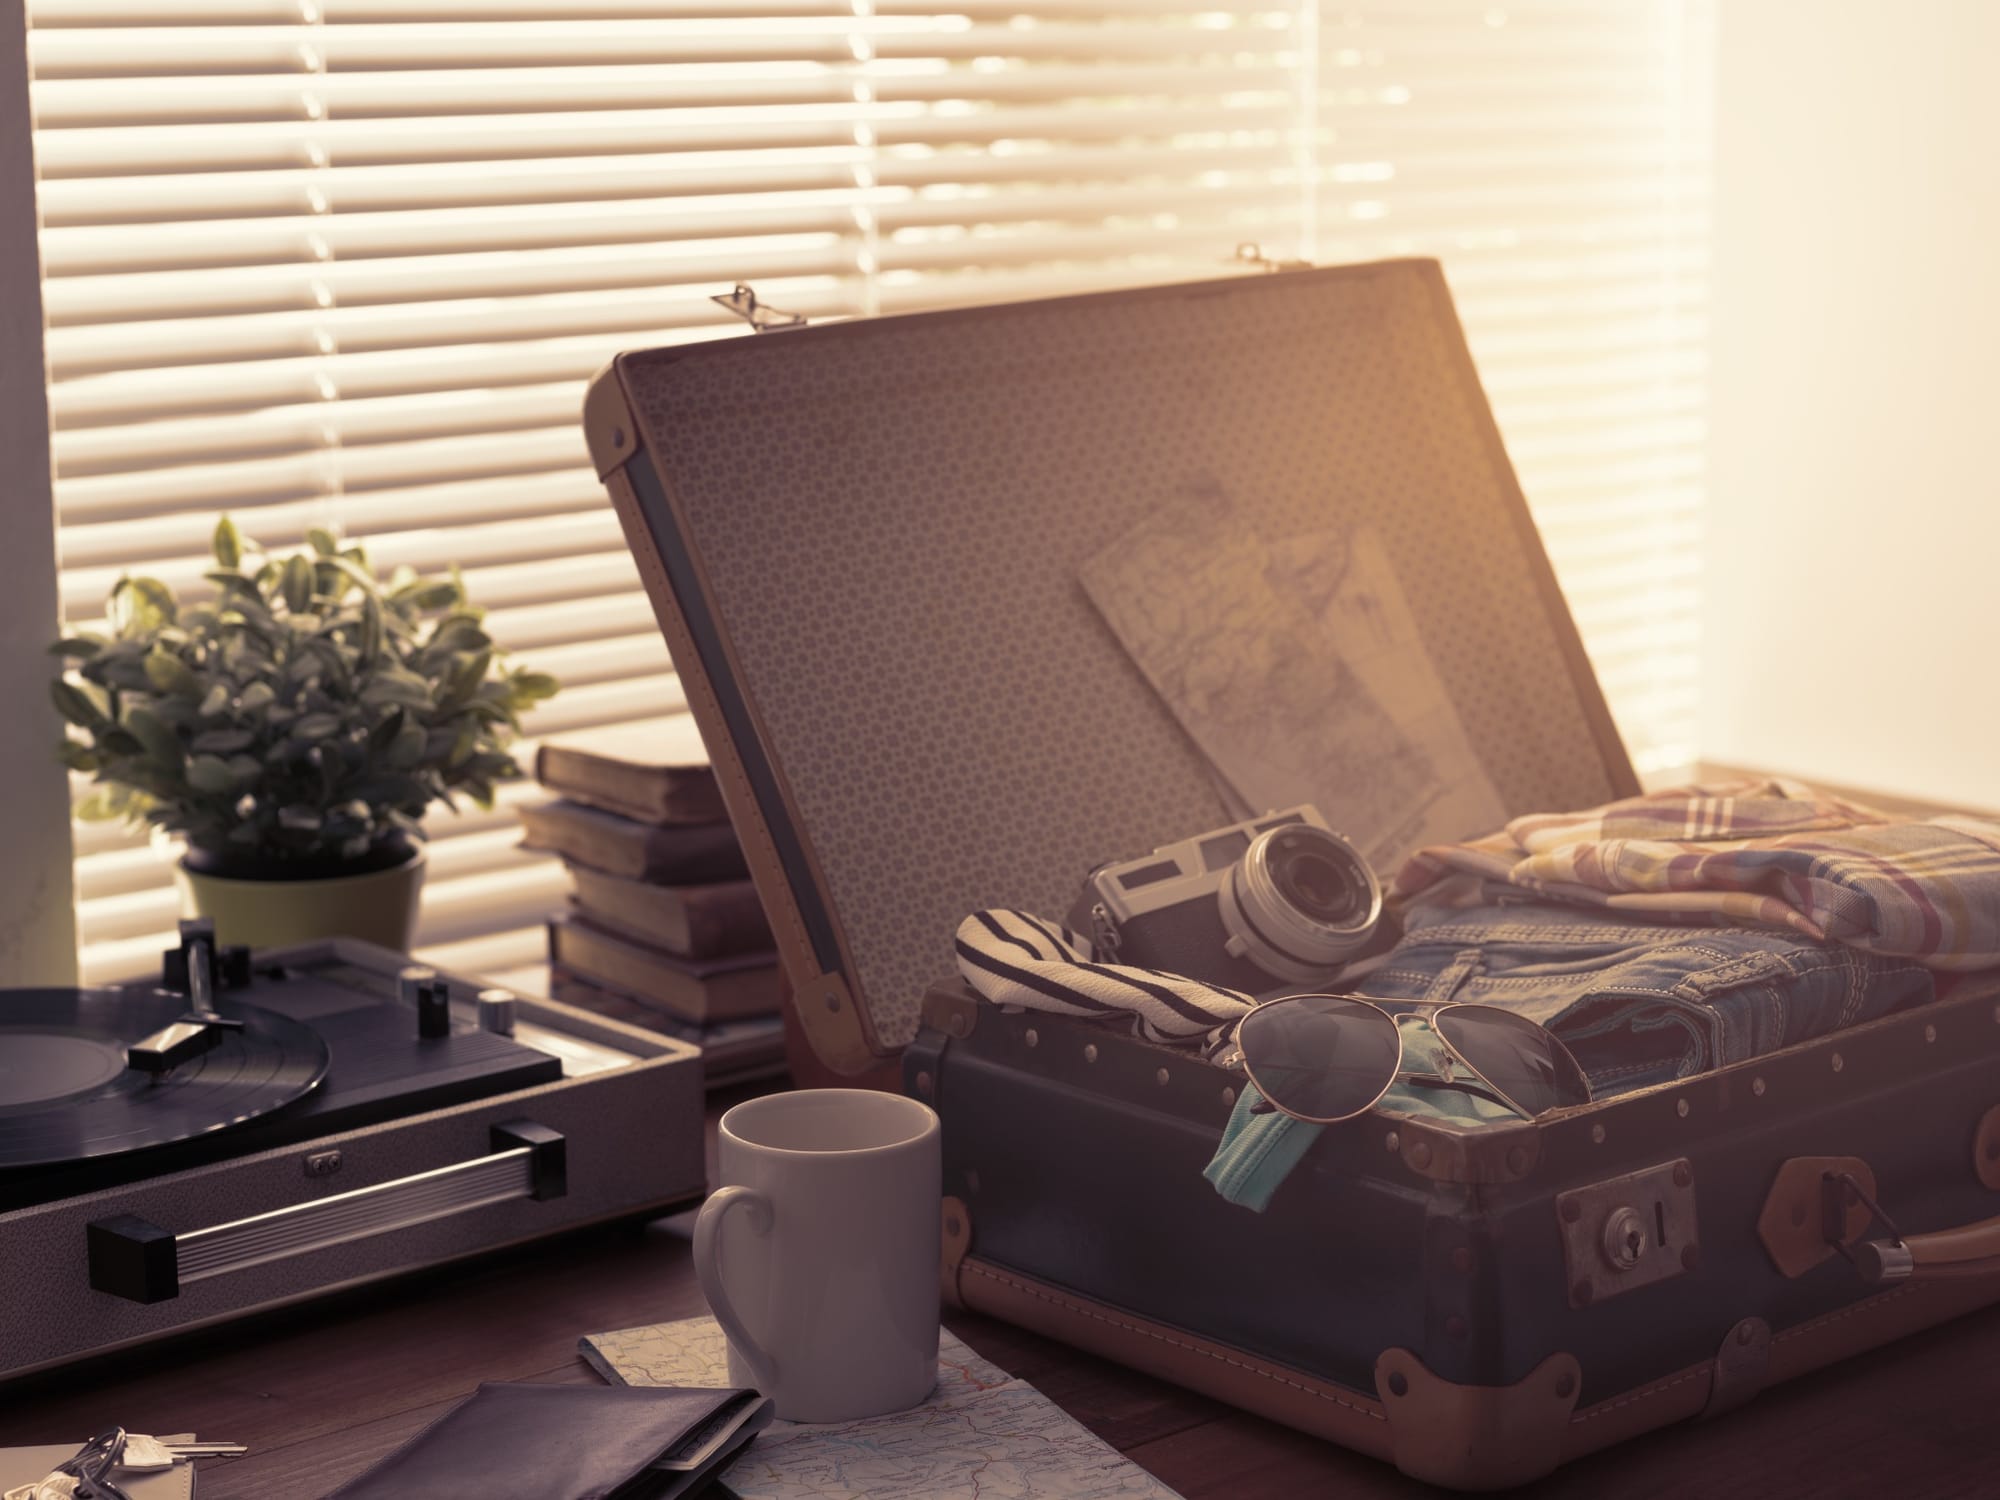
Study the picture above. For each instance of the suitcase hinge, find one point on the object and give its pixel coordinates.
(954, 1012)
(1741, 1367)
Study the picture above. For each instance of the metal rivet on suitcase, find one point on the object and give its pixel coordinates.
(1757, 1087)
(1681, 1108)
(1090, 1052)
(1597, 1135)
(1393, 1142)
(1839, 1062)
(1032, 1037)
(1160, 1077)
(1229, 1096)
(924, 1084)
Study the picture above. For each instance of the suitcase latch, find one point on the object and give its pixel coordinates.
(1629, 1231)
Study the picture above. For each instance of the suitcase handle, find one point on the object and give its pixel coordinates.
(1965, 1250)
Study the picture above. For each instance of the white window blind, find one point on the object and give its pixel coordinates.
(349, 262)
(1555, 156)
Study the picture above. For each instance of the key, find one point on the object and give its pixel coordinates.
(149, 1453)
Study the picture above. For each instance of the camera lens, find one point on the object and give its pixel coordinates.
(1300, 902)
(1311, 881)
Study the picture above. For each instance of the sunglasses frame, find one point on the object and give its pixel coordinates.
(1430, 1011)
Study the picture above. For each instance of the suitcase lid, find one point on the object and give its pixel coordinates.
(866, 543)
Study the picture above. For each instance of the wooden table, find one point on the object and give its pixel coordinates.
(321, 1392)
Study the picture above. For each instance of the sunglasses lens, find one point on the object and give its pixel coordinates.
(1520, 1059)
(1320, 1057)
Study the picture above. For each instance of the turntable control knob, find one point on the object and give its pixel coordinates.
(496, 1011)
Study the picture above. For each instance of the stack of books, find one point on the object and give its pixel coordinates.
(663, 928)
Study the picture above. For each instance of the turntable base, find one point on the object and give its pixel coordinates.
(329, 1129)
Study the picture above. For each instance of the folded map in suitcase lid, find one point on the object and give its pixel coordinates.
(907, 566)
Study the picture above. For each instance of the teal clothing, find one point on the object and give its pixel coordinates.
(1258, 1151)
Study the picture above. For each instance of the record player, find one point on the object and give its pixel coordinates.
(250, 1130)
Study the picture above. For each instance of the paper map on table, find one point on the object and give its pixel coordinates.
(982, 1435)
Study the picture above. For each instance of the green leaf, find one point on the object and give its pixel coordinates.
(155, 601)
(78, 647)
(316, 726)
(369, 640)
(210, 773)
(534, 686)
(256, 698)
(78, 756)
(151, 731)
(227, 544)
(77, 704)
(222, 741)
(324, 542)
(109, 802)
(217, 702)
(396, 687)
(169, 674)
(295, 583)
(407, 749)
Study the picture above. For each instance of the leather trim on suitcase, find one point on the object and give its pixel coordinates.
(1498, 1436)
(837, 1029)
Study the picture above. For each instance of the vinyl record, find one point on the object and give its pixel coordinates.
(66, 1094)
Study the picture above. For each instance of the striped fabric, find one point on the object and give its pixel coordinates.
(1014, 958)
(1767, 853)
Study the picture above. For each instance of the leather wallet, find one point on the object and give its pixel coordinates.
(569, 1442)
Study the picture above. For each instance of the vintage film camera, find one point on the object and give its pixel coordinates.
(1276, 901)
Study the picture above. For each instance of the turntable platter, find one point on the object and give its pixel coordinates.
(66, 1093)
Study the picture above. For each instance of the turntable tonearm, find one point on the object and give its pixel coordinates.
(256, 1130)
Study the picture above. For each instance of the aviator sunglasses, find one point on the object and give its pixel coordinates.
(1326, 1058)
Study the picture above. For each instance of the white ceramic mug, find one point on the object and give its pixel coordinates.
(819, 1254)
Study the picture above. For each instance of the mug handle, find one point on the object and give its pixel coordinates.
(708, 1268)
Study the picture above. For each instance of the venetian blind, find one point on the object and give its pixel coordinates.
(1555, 155)
(348, 263)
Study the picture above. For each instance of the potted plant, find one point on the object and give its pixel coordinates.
(292, 729)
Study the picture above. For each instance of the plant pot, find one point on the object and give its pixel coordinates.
(379, 906)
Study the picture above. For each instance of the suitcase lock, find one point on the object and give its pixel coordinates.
(1629, 1231)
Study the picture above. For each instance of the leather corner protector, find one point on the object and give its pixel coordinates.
(1741, 1368)
(954, 1011)
(1986, 1149)
(957, 1245)
(1491, 1154)
(608, 428)
(1482, 1437)
(832, 1024)
(1790, 1226)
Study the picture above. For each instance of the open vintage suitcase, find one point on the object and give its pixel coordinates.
(861, 541)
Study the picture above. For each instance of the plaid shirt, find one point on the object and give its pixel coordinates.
(1764, 853)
